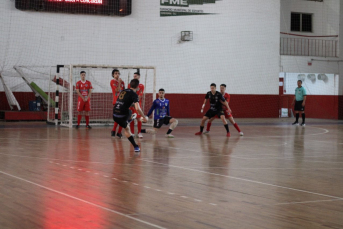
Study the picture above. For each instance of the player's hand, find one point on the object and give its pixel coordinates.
(202, 110)
(120, 80)
(230, 111)
(292, 103)
(303, 104)
(85, 99)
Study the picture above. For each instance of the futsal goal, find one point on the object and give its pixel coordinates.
(100, 76)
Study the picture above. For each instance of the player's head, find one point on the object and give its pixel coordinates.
(83, 75)
(134, 83)
(136, 75)
(115, 74)
(161, 93)
(222, 88)
(213, 87)
(300, 82)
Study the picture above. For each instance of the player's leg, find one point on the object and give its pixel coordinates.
(80, 104)
(173, 123)
(303, 118)
(208, 127)
(87, 108)
(157, 125)
(139, 126)
(234, 123)
(297, 108)
(202, 124)
(222, 117)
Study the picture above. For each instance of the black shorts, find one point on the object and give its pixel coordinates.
(122, 121)
(211, 113)
(159, 122)
(298, 106)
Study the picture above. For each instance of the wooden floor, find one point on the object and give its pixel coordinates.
(275, 176)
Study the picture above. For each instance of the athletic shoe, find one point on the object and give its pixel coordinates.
(295, 124)
(137, 149)
(132, 135)
(119, 135)
(303, 124)
(77, 126)
(228, 134)
(207, 132)
(198, 133)
(169, 136)
(140, 135)
(88, 127)
(113, 133)
(241, 133)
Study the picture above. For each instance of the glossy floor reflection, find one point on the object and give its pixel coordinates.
(275, 176)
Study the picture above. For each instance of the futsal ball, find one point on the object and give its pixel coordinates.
(147, 119)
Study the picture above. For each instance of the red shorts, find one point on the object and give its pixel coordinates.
(83, 106)
(135, 112)
(227, 114)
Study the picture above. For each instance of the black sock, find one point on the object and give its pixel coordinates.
(201, 129)
(169, 131)
(143, 131)
(132, 141)
(303, 116)
(227, 128)
(296, 117)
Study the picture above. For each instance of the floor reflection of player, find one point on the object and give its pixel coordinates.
(125, 168)
(82, 146)
(298, 144)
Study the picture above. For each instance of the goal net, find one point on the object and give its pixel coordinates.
(101, 98)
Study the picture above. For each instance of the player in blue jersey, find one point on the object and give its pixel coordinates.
(162, 116)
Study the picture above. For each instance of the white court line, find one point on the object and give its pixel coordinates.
(84, 201)
(247, 180)
(303, 202)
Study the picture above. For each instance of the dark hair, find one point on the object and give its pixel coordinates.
(300, 81)
(137, 73)
(161, 89)
(134, 83)
(213, 84)
(224, 85)
(82, 72)
(114, 70)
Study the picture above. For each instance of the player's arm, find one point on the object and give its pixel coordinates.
(139, 110)
(303, 104)
(79, 93)
(117, 89)
(226, 104)
(140, 96)
(90, 93)
(293, 101)
(151, 109)
(203, 105)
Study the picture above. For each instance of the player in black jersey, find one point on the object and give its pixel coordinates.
(216, 102)
(122, 113)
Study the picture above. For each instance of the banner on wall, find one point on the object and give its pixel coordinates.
(185, 7)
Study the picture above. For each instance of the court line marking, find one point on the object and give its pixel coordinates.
(247, 180)
(84, 201)
(303, 202)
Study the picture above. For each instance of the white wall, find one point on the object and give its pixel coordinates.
(325, 16)
(238, 46)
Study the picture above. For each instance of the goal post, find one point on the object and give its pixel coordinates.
(100, 77)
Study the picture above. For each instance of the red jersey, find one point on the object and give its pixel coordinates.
(227, 99)
(139, 91)
(114, 85)
(84, 87)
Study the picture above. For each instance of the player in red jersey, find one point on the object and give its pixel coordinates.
(228, 114)
(84, 90)
(117, 85)
(139, 91)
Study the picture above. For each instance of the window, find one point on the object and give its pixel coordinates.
(301, 22)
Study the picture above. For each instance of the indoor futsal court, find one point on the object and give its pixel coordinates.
(214, 114)
(276, 176)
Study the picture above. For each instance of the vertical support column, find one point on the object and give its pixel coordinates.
(154, 90)
(57, 92)
(71, 96)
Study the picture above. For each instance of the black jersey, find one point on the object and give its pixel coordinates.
(124, 101)
(215, 99)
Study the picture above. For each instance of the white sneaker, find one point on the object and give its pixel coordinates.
(241, 133)
(140, 135)
(206, 132)
(132, 135)
(169, 136)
